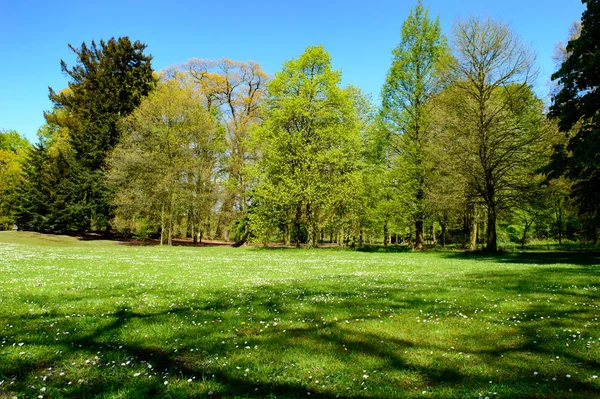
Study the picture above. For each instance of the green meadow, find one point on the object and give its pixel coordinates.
(83, 319)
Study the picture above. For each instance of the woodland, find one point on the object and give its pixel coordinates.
(460, 152)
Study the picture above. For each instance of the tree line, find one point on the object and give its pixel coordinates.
(460, 151)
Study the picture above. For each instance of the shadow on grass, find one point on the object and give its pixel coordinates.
(307, 333)
(382, 249)
(540, 258)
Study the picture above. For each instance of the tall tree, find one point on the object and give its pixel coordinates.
(309, 144)
(107, 83)
(164, 168)
(13, 148)
(236, 89)
(413, 79)
(577, 108)
(50, 197)
(495, 117)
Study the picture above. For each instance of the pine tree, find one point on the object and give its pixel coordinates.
(106, 84)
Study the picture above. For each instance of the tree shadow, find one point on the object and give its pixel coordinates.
(308, 329)
(384, 249)
(539, 258)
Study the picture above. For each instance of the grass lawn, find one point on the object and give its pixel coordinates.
(98, 319)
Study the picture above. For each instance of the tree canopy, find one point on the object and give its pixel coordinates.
(576, 106)
(414, 78)
(106, 84)
(458, 152)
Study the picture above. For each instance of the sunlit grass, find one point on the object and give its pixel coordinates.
(98, 319)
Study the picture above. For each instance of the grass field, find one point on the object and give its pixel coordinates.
(99, 319)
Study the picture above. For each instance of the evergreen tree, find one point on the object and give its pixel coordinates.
(33, 193)
(577, 108)
(106, 84)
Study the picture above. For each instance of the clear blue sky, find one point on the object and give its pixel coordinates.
(359, 35)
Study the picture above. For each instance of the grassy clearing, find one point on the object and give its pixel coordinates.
(97, 319)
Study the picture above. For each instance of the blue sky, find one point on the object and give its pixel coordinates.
(359, 35)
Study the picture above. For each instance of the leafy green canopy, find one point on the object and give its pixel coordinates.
(412, 81)
(12, 152)
(577, 107)
(165, 166)
(309, 142)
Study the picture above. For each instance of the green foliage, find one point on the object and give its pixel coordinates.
(235, 90)
(577, 108)
(309, 144)
(456, 147)
(493, 120)
(107, 83)
(165, 168)
(415, 75)
(13, 148)
(413, 79)
(53, 191)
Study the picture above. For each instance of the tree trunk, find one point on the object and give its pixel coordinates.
(162, 225)
(189, 229)
(194, 235)
(170, 226)
(241, 242)
(483, 234)
(297, 222)
(491, 244)
(433, 236)
(466, 229)
(419, 237)
(310, 224)
(385, 233)
(473, 240)
(286, 235)
(207, 226)
(559, 222)
(225, 217)
(443, 223)
(361, 238)
(524, 238)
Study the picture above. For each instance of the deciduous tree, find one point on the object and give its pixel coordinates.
(309, 143)
(413, 79)
(236, 89)
(13, 148)
(164, 168)
(495, 118)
